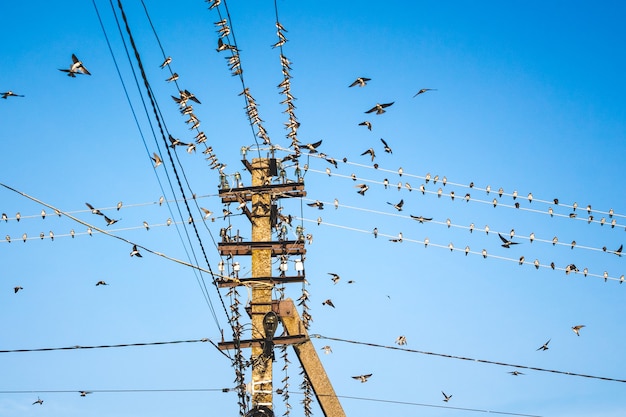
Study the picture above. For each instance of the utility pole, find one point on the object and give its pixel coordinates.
(266, 313)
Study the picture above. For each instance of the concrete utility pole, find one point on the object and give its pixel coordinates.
(266, 313)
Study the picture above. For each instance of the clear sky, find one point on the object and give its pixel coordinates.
(526, 96)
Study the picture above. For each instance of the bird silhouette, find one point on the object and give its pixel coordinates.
(317, 204)
(16, 289)
(94, 210)
(516, 373)
(618, 252)
(10, 93)
(335, 277)
(109, 221)
(101, 283)
(387, 148)
(366, 124)
(379, 108)
(421, 219)
(371, 152)
(39, 401)
(446, 398)
(329, 303)
(135, 252)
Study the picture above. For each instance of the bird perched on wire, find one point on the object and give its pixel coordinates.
(360, 81)
(167, 61)
(362, 378)
(77, 67)
(379, 108)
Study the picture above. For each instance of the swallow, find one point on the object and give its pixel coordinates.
(207, 212)
(84, 393)
(362, 188)
(421, 219)
(397, 239)
(576, 329)
(397, 206)
(371, 152)
(51, 235)
(16, 289)
(487, 229)
(335, 277)
(336, 204)
(544, 346)
(328, 303)
(157, 159)
(5, 217)
(423, 90)
(618, 252)
(135, 252)
(500, 192)
(10, 93)
(77, 67)
(172, 77)
(167, 61)
(109, 221)
(375, 232)
(484, 253)
(362, 378)
(360, 81)
(39, 401)
(554, 240)
(327, 350)
(446, 398)
(146, 225)
(317, 204)
(176, 142)
(187, 95)
(516, 373)
(387, 148)
(366, 124)
(18, 216)
(101, 283)
(401, 340)
(312, 147)
(8, 238)
(94, 210)
(506, 243)
(379, 108)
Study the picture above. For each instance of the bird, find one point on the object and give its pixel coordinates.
(161, 199)
(329, 303)
(506, 243)
(421, 219)
(467, 250)
(77, 67)
(207, 212)
(176, 142)
(366, 124)
(135, 252)
(360, 81)
(446, 398)
(400, 171)
(516, 373)
(24, 237)
(101, 283)
(401, 340)
(554, 240)
(362, 378)
(167, 61)
(521, 260)
(531, 237)
(379, 108)
(544, 346)
(362, 188)
(157, 159)
(8, 238)
(387, 148)
(172, 77)
(51, 235)
(94, 210)
(327, 350)
(16, 289)
(10, 93)
(397, 239)
(375, 232)
(18, 216)
(397, 206)
(146, 225)
(109, 221)
(39, 401)
(426, 242)
(487, 229)
(484, 253)
(576, 329)
(84, 393)
(371, 152)
(317, 204)
(335, 277)
(336, 204)
(423, 90)
(618, 252)
(119, 205)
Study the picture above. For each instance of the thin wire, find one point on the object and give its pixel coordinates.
(464, 358)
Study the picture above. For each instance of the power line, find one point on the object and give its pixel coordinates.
(464, 358)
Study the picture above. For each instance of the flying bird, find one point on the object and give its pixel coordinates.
(446, 398)
(39, 401)
(379, 108)
(317, 204)
(387, 148)
(423, 90)
(101, 283)
(371, 152)
(94, 210)
(362, 378)
(10, 94)
(401, 340)
(16, 289)
(135, 252)
(506, 243)
(362, 188)
(360, 81)
(397, 206)
(576, 329)
(77, 67)
(327, 350)
(544, 346)
(366, 124)
(516, 373)
(329, 303)
(421, 219)
(157, 159)
(335, 277)
(84, 393)
(618, 252)
(109, 221)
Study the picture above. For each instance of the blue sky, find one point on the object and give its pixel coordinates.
(527, 97)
